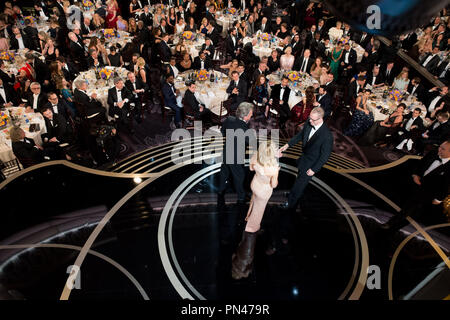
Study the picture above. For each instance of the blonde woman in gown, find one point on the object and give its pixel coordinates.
(266, 168)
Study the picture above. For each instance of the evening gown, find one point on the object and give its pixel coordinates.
(376, 132)
(360, 123)
(334, 65)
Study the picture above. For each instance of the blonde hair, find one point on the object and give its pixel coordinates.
(266, 154)
(140, 62)
(15, 134)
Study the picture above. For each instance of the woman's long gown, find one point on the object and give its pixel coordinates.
(360, 123)
(334, 65)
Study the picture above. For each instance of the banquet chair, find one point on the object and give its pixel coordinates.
(8, 168)
(165, 109)
(188, 114)
(274, 111)
(227, 106)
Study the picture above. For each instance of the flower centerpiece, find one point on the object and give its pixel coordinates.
(265, 36)
(293, 76)
(110, 33)
(395, 95)
(343, 41)
(105, 74)
(7, 55)
(231, 11)
(188, 35)
(3, 120)
(29, 18)
(87, 4)
(201, 75)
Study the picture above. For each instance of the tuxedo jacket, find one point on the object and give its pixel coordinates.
(27, 42)
(170, 99)
(352, 90)
(233, 123)
(10, 95)
(297, 48)
(440, 134)
(77, 51)
(242, 95)
(112, 99)
(362, 43)
(231, 47)
(42, 100)
(409, 41)
(325, 103)
(432, 64)
(197, 63)
(379, 79)
(32, 34)
(420, 91)
(92, 106)
(72, 73)
(62, 109)
(351, 58)
(389, 79)
(275, 95)
(139, 85)
(27, 151)
(435, 185)
(299, 61)
(440, 68)
(164, 51)
(191, 103)
(266, 29)
(210, 48)
(7, 79)
(58, 129)
(316, 151)
(214, 36)
(147, 19)
(418, 122)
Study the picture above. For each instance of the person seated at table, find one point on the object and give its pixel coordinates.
(375, 78)
(25, 149)
(140, 69)
(172, 68)
(19, 41)
(354, 88)
(191, 26)
(276, 27)
(437, 132)
(59, 106)
(35, 100)
(348, 61)
(164, 49)
(50, 52)
(300, 112)
(92, 106)
(202, 62)
(415, 88)
(95, 60)
(287, 60)
(242, 30)
(304, 63)
(180, 47)
(237, 90)
(362, 118)
(194, 108)
(410, 130)
(57, 132)
(213, 33)
(114, 58)
(180, 26)
(284, 32)
(186, 63)
(8, 97)
(66, 93)
(273, 62)
(208, 48)
(97, 21)
(401, 82)
(264, 26)
(138, 89)
(172, 98)
(316, 69)
(260, 95)
(279, 97)
(231, 66)
(380, 129)
(232, 44)
(121, 105)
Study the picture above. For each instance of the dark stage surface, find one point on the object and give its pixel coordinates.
(162, 238)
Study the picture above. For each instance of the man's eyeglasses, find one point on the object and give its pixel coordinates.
(314, 120)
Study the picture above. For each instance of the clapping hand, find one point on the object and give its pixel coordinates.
(281, 150)
(310, 173)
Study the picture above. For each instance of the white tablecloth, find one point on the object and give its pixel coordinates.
(226, 21)
(100, 86)
(26, 119)
(209, 94)
(262, 48)
(193, 47)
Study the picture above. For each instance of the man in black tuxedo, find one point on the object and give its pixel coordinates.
(297, 46)
(36, 99)
(324, 100)
(164, 50)
(57, 130)
(193, 108)
(137, 88)
(304, 63)
(213, 34)
(279, 98)
(354, 89)
(435, 98)
(362, 39)
(92, 106)
(263, 69)
(389, 73)
(32, 34)
(7, 76)
(211, 14)
(232, 43)
(69, 70)
(58, 106)
(330, 85)
(7, 95)
(146, 17)
(264, 26)
(121, 105)
(415, 88)
(237, 90)
(233, 164)
(208, 48)
(348, 60)
(442, 71)
(438, 131)
(95, 60)
(19, 40)
(408, 40)
(78, 50)
(25, 149)
(171, 99)
(202, 61)
(431, 60)
(409, 131)
(427, 190)
(41, 69)
(375, 78)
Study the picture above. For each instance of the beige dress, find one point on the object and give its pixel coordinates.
(262, 191)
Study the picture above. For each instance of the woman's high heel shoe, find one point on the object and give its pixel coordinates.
(242, 260)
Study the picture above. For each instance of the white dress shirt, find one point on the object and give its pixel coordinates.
(433, 103)
(428, 60)
(282, 94)
(436, 164)
(409, 124)
(55, 110)
(175, 70)
(314, 130)
(35, 100)
(20, 41)
(3, 94)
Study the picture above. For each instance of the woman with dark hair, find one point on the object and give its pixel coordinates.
(300, 112)
(362, 117)
(50, 51)
(191, 26)
(186, 63)
(273, 62)
(114, 58)
(172, 20)
(260, 95)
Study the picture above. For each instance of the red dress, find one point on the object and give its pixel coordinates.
(111, 17)
(300, 113)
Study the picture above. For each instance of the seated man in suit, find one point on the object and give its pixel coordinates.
(58, 131)
(193, 107)
(213, 34)
(208, 48)
(172, 98)
(410, 130)
(202, 62)
(19, 40)
(137, 88)
(435, 98)
(431, 60)
(264, 26)
(59, 106)
(164, 50)
(354, 89)
(95, 60)
(415, 88)
(304, 63)
(348, 60)
(36, 99)
(437, 132)
(324, 101)
(280, 98)
(7, 95)
(375, 78)
(25, 149)
(69, 69)
(237, 90)
(92, 106)
(426, 190)
(120, 105)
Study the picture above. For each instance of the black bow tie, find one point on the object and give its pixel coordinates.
(313, 128)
